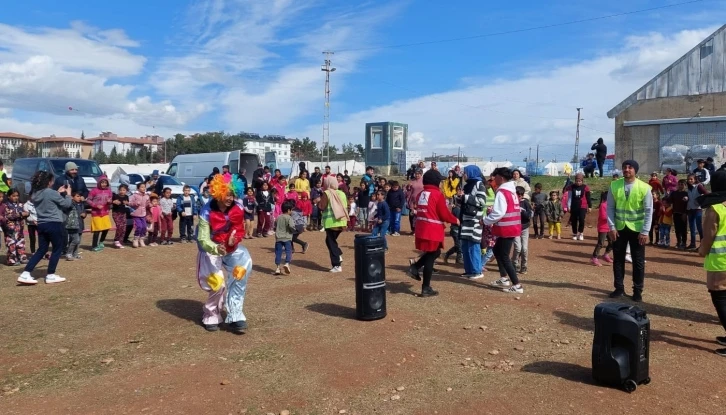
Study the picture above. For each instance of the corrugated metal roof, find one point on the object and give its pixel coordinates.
(700, 71)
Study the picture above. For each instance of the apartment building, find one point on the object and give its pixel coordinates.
(75, 147)
(10, 141)
(107, 141)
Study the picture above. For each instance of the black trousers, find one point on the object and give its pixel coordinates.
(331, 241)
(602, 239)
(539, 219)
(719, 302)
(32, 234)
(502, 251)
(637, 251)
(589, 172)
(95, 240)
(456, 249)
(129, 229)
(412, 220)
(296, 240)
(681, 228)
(186, 227)
(600, 163)
(577, 219)
(426, 261)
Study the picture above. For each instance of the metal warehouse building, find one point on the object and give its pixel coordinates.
(678, 116)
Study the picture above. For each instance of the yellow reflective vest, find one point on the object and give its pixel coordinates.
(629, 211)
(716, 257)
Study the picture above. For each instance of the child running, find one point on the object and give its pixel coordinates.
(119, 207)
(554, 213)
(603, 233)
(284, 229)
(219, 232)
(12, 218)
(100, 200)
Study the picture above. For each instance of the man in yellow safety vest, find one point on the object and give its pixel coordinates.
(630, 214)
(4, 181)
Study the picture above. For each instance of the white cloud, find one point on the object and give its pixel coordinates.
(514, 111)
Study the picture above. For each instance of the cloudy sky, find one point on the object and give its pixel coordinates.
(445, 68)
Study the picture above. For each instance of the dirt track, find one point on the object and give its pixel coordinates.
(306, 353)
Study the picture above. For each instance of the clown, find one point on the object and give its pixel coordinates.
(219, 232)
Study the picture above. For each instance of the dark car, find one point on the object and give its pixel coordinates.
(25, 168)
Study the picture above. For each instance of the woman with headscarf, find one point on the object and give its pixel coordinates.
(333, 203)
(472, 209)
(713, 248)
(432, 213)
(414, 188)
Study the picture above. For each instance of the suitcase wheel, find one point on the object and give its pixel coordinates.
(646, 381)
(630, 386)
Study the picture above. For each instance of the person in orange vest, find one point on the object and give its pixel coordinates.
(506, 222)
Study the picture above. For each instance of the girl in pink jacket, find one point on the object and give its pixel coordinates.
(140, 203)
(603, 233)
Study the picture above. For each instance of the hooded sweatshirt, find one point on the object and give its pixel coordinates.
(474, 200)
(100, 199)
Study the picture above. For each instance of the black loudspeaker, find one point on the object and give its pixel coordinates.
(370, 277)
(621, 346)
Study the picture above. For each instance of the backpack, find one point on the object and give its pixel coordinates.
(299, 221)
(73, 221)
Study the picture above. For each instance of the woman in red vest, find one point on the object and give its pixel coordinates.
(431, 214)
(506, 222)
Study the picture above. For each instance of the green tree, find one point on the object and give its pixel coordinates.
(361, 151)
(305, 149)
(143, 155)
(130, 157)
(83, 135)
(115, 157)
(101, 157)
(60, 152)
(23, 151)
(157, 157)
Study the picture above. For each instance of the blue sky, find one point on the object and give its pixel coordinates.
(163, 66)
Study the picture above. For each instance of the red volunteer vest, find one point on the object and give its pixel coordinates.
(510, 226)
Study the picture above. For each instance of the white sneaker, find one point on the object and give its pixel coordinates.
(580, 237)
(53, 279)
(574, 238)
(475, 276)
(502, 282)
(337, 269)
(26, 278)
(515, 289)
(628, 258)
(322, 230)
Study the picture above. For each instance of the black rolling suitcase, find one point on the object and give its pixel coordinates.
(621, 347)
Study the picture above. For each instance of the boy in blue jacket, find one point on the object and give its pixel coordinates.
(383, 217)
(186, 207)
(395, 200)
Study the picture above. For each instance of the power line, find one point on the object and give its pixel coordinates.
(528, 29)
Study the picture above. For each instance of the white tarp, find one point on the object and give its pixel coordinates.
(147, 169)
(355, 168)
(551, 170)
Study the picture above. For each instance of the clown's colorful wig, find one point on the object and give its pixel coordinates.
(222, 184)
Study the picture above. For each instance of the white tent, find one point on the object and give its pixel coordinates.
(551, 170)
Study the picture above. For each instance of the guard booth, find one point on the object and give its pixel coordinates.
(386, 143)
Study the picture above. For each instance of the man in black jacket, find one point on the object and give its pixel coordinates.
(258, 177)
(601, 152)
(395, 200)
(315, 177)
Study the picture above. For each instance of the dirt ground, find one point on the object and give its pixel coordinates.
(123, 336)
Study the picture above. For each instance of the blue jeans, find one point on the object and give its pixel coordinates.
(472, 256)
(380, 229)
(395, 226)
(49, 233)
(487, 256)
(279, 245)
(694, 222)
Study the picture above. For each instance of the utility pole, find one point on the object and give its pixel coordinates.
(325, 153)
(530, 154)
(536, 169)
(576, 157)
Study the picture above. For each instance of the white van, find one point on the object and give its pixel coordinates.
(192, 169)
